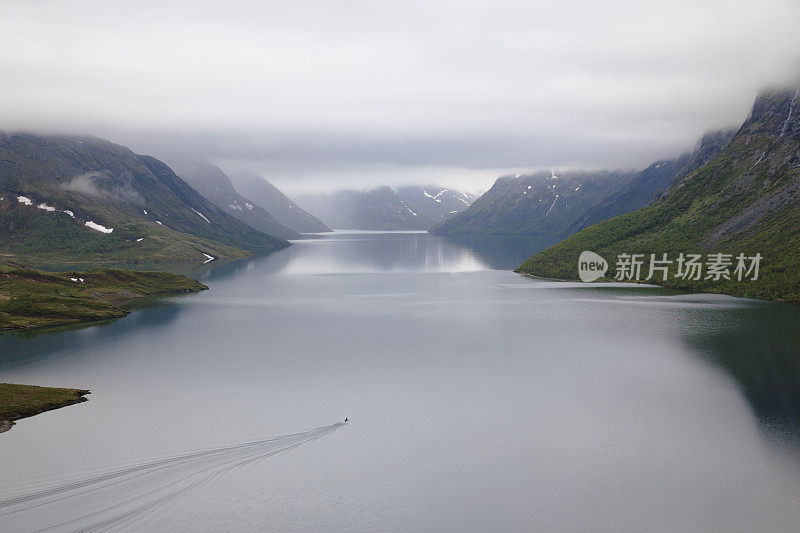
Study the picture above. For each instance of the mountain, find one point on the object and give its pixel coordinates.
(375, 209)
(557, 206)
(745, 199)
(269, 197)
(210, 181)
(435, 203)
(80, 199)
(383, 208)
(709, 145)
(553, 204)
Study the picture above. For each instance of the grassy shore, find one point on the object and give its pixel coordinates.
(21, 401)
(35, 299)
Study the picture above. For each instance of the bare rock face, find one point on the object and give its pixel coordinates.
(744, 199)
(774, 113)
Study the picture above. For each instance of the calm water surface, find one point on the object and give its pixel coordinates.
(478, 398)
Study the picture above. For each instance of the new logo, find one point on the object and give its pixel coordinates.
(591, 266)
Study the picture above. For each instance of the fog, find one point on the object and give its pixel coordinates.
(103, 185)
(319, 95)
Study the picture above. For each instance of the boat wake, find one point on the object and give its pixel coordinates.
(118, 498)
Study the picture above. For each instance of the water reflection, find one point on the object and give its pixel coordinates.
(37, 346)
(387, 252)
(487, 398)
(503, 252)
(759, 346)
(755, 342)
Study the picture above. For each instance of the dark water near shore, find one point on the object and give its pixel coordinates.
(478, 398)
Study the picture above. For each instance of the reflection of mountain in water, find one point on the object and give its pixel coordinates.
(503, 252)
(211, 271)
(26, 347)
(759, 346)
(388, 252)
(410, 252)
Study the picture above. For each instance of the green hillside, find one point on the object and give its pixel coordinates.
(746, 199)
(34, 299)
(79, 199)
(21, 401)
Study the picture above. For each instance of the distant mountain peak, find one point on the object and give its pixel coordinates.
(268, 196)
(385, 208)
(213, 183)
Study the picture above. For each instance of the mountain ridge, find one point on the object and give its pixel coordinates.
(217, 187)
(277, 203)
(384, 208)
(73, 198)
(559, 204)
(743, 200)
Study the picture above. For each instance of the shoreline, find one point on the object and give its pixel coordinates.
(651, 284)
(24, 401)
(35, 299)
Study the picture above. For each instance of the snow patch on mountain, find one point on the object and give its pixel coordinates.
(201, 214)
(435, 197)
(98, 227)
(552, 205)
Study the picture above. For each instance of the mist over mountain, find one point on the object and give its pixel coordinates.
(212, 182)
(265, 194)
(744, 199)
(558, 204)
(332, 98)
(383, 208)
(434, 202)
(80, 198)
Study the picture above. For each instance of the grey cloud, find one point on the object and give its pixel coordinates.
(102, 186)
(315, 92)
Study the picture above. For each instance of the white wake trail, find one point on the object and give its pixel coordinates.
(118, 497)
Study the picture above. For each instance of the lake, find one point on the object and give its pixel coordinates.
(478, 399)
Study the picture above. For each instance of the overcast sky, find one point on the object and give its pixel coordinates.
(320, 95)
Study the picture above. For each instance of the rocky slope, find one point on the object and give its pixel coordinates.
(744, 200)
(558, 204)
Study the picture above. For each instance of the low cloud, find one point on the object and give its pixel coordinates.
(101, 185)
(296, 89)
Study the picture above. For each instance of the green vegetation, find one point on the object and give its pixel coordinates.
(52, 186)
(746, 199)
(35, 299)
(20, 401)
(31, 236)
